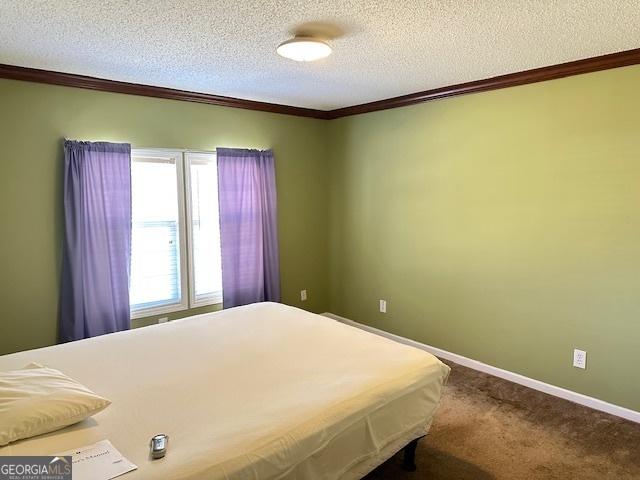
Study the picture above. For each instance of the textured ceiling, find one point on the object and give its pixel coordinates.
(384, 48)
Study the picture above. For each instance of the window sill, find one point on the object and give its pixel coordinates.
(154, 311)
(144, 321)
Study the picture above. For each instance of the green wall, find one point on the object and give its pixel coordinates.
(35, 118)
(502, 226)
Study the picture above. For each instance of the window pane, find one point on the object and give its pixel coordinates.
(205, 226)
(155, 248)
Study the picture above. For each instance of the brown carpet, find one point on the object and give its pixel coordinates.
(489, 428)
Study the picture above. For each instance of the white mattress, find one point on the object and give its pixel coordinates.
(264, 391)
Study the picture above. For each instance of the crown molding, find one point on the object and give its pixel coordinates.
(577, 67)
(92, 83)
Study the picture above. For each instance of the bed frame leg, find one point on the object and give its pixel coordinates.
(409, 460)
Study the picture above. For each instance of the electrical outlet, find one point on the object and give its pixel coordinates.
(383, 306)
(303, 295)
(579, 358)
(163, 320)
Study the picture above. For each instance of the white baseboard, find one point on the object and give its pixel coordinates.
(572, 396)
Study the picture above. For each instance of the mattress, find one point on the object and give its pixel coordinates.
(263, 391)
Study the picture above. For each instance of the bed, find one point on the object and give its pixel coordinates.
(263, 391)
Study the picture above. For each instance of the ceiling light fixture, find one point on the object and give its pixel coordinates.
(304, 49)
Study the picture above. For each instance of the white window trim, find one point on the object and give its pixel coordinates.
(187, 271)
(216, 297)
(177, 156)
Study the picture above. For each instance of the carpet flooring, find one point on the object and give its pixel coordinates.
(489, 428)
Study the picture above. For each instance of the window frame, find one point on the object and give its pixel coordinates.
(216, 297)
(185, 230)
(177, 156)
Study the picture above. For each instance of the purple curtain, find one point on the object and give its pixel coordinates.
(248, 226)
(97, 246)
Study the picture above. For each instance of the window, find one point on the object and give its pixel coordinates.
(175, 249)
(204, 229)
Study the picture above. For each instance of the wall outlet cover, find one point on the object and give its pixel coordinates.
(383, 306)
(163, 320)
(303, 295)
(579, 358)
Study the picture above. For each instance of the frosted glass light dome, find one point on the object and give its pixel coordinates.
(304, 49)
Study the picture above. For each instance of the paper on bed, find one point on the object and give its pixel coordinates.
(100, 461)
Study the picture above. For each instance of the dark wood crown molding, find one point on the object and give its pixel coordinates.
(92, 83)
(594, 64)
(577, 67)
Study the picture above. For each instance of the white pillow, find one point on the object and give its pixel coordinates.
(37, 400)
